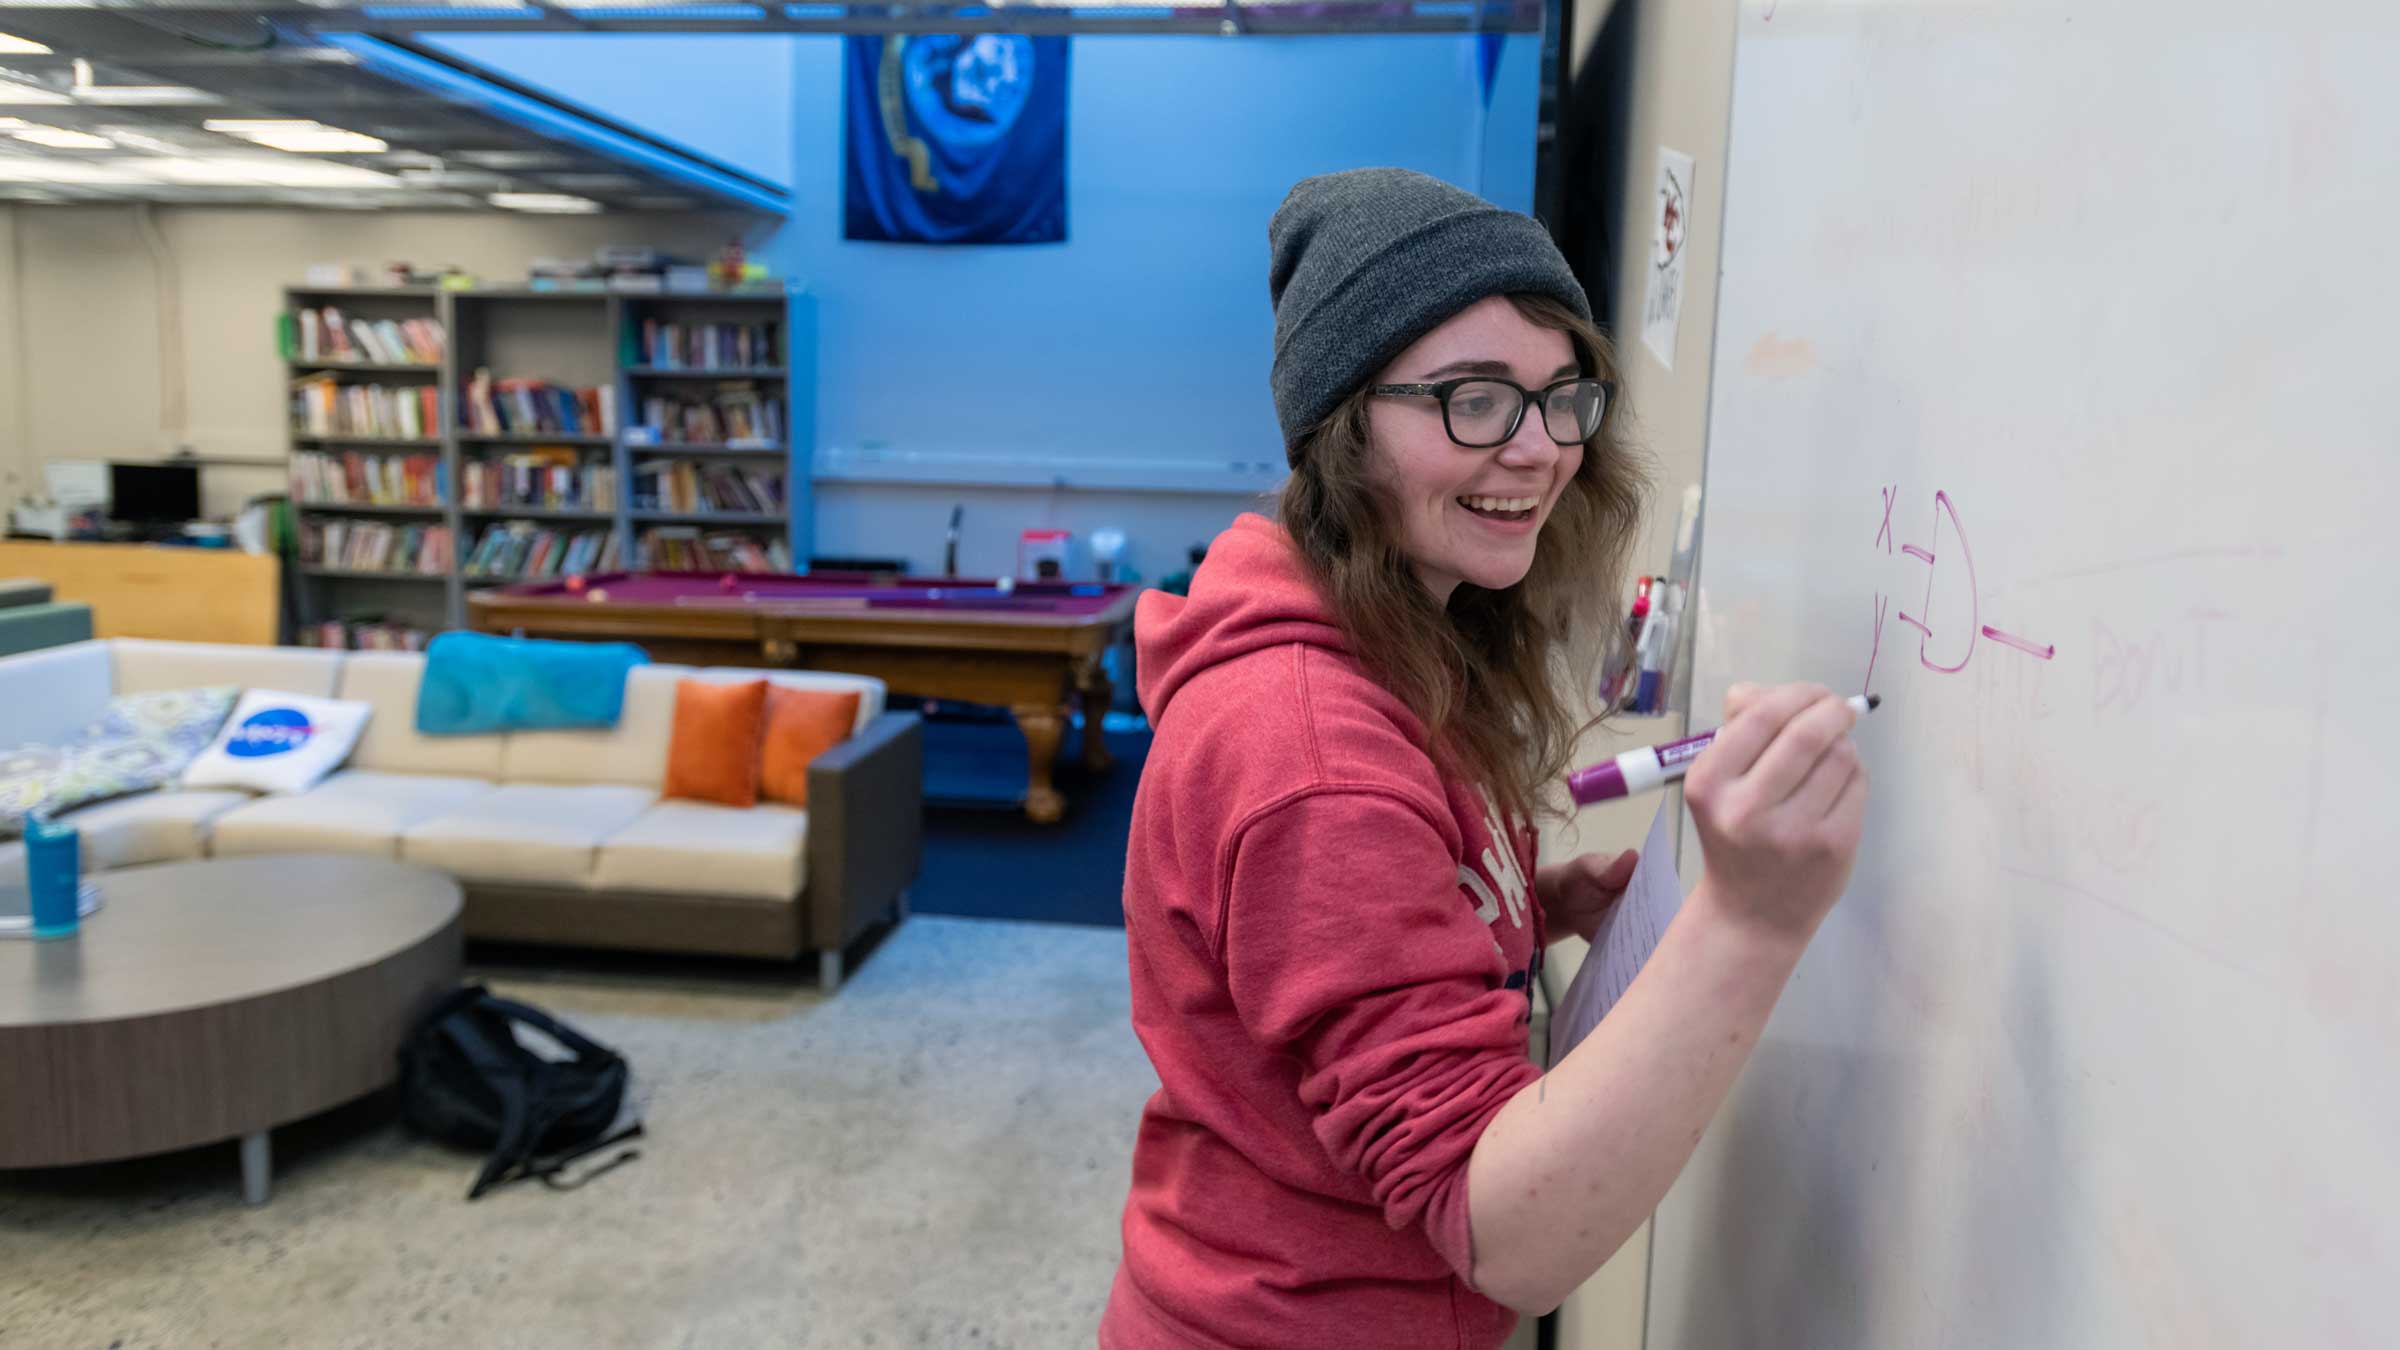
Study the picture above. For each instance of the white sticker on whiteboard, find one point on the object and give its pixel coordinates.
(1662, 304)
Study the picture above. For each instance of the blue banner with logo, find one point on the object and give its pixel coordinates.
(955, 139)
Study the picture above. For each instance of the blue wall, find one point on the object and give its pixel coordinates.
(1144, 340)
(1148, 333)
(726, 98)
(1508, 134)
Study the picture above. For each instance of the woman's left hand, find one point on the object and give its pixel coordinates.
(1576, 893)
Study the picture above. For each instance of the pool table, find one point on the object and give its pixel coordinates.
(1027, 646)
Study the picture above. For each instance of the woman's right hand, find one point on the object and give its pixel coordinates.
(1779, 797)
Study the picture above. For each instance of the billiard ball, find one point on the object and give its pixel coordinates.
(575, 584)
(1005, 585)
(727, 582)
(597, 595)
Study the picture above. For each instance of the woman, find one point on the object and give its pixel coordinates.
(1329, 922)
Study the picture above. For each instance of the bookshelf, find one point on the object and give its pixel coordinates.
(513, 438)
(660, 517)
(536, 513)
(711, 388)
(325, 591)
(370, 509)
(706, 359)
(716, 449)
(364, 574)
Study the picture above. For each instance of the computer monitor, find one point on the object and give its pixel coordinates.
(154, 494)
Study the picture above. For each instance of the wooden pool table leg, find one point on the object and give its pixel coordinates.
(1044, 725)
(1097, 695)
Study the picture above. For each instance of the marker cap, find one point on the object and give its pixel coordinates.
(1600, 782)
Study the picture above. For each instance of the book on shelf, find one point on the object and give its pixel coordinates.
(364, 635)
(680, 485)
(709, 346)
(353, 478)
(684, 548)
(737, 411)
(552, 477)
(374, 546)
(324, 406)
(325, 334)
(523, 548)
(526, 407)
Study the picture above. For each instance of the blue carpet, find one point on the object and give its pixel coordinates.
(984, 859)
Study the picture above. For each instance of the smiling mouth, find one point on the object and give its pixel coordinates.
(1501, 508)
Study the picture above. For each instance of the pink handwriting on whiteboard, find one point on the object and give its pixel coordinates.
(1932, 553)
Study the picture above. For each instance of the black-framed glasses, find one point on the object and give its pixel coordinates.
(1482, 411)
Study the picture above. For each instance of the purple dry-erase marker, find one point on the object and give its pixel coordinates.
(1658, 765)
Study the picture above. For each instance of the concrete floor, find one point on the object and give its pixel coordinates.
(934, 1157)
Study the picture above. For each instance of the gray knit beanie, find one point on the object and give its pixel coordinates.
(1367, 261)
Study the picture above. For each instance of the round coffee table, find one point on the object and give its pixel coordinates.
(216, 1000)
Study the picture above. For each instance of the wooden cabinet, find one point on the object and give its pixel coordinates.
(157, 591)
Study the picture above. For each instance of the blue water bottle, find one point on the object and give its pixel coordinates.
(54, 874)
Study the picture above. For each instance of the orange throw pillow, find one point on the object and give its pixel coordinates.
(801, 725)
(713, 756)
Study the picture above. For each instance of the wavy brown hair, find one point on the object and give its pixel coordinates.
(1494, 675)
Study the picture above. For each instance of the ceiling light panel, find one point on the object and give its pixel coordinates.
(82, 172)
(270, 170)
(13, 91)
(548, 203)
(462, 179)
(296, 135)
(513, 159)
(146, 96)
(108, 132)
(134, 138)
(60, 138)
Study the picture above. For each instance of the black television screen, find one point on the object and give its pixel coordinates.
(154, 494)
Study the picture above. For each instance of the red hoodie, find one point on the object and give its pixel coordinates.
(1331, 963)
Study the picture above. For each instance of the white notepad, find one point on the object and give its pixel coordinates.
(1627, 936)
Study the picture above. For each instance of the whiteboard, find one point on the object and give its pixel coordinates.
(2056, 398)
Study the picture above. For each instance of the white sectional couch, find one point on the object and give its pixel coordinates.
(556, 836)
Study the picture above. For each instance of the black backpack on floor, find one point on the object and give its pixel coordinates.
(467, 1080)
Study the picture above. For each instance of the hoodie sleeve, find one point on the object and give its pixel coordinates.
(1348, 945)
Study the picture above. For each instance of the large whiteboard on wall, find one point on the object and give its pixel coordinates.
(2057, 398)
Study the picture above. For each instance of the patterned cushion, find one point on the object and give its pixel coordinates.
(185, 719)
(27, 774)
(141, 742)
